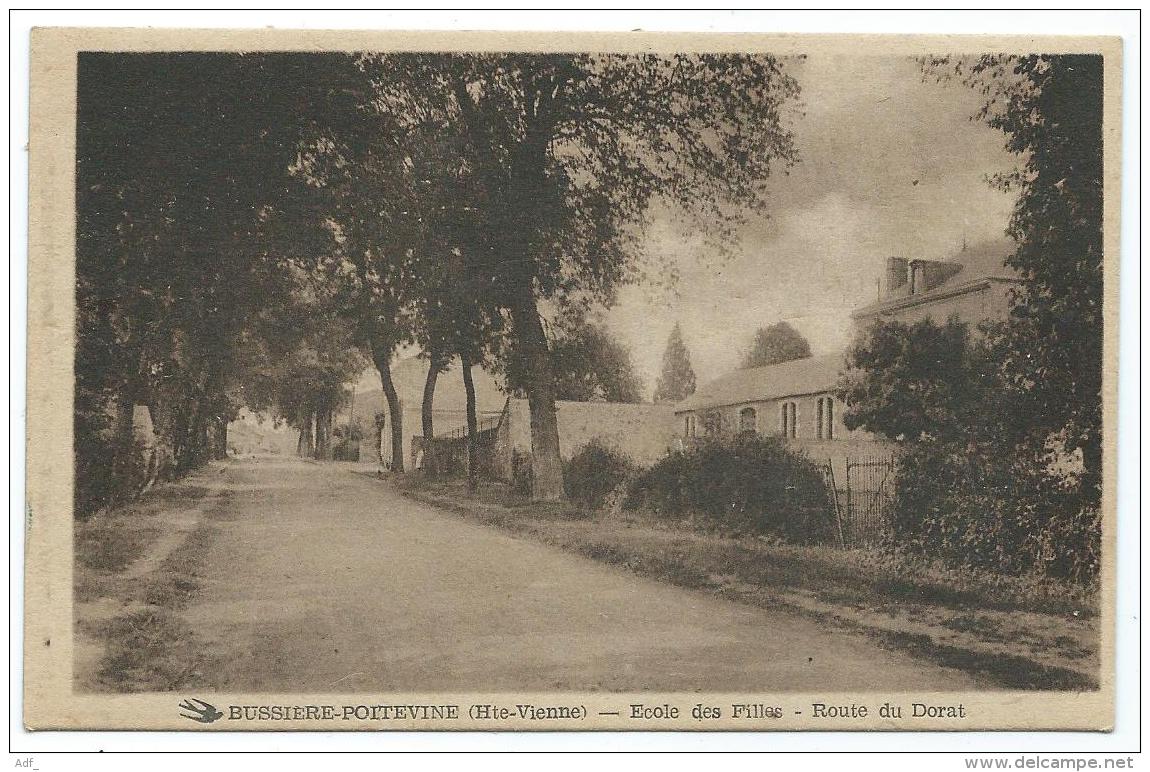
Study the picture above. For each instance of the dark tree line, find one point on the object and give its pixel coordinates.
(182, 191)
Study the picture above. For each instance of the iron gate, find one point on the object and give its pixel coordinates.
(862, 499)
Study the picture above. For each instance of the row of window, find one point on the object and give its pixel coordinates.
(824, 419)
(788, 420)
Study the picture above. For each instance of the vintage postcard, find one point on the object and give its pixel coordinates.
(571, 381)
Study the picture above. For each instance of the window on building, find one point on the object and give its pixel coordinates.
(789, 419)
(713, 423)
(826, 418)
(748, 420)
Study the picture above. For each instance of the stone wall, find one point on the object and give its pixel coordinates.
(643, 432)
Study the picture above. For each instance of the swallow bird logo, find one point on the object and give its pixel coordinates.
(198, 710)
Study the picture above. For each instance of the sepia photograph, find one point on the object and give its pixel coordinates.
(565, 384)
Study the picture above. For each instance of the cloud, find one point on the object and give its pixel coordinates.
(890, 165)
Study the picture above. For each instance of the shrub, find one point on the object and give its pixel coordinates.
(747, 483)
(1003, 513)
(594, 472)
(982, 481)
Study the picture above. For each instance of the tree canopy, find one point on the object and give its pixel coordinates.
(1002, 431)
(186, 221)
(775, 344)
(563, 155)
(590, 365)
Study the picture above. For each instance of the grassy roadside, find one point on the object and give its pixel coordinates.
(1012, 633)
(135, 568)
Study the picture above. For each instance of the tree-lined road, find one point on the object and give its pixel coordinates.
(321, 579)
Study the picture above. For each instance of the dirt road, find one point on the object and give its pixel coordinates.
(321, 579)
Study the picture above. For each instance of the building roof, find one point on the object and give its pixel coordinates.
(980, 263)
(801, 376)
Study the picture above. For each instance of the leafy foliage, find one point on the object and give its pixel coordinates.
(182, 236)
(744, 483)
(917, 381)
(588, 365)
(1049, 107)
(1002, 467)
(777, 343)
(677, 379)
(973, 487)
(562, 156)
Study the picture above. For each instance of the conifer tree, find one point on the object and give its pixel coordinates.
(677, 380)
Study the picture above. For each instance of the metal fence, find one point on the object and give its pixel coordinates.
(862, 499)
(448, 452)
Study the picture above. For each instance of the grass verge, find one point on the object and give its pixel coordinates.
(1009, 632)
(135, 569)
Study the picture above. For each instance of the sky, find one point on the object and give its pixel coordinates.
(889, 165)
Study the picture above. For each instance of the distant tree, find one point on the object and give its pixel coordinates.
(677, 379)
(590, 365)
(776, 344)
(299, 360)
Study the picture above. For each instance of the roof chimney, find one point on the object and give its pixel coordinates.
(896, 275)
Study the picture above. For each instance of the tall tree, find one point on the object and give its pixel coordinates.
(677, 379)
(775, 344)
(1050, 109)
(571, 149)
(367, 193)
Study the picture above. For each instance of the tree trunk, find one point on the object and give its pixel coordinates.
(546, 463)
(323, 450)
(529, 161)
(192, 450)
(163, 431)
(379, 427)
(220, 438)
(381, 356)
(472, 425)
(203, 444)
(305, 448)
(124, 447)
(426, 413)
(179, 436)
(125, 412)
